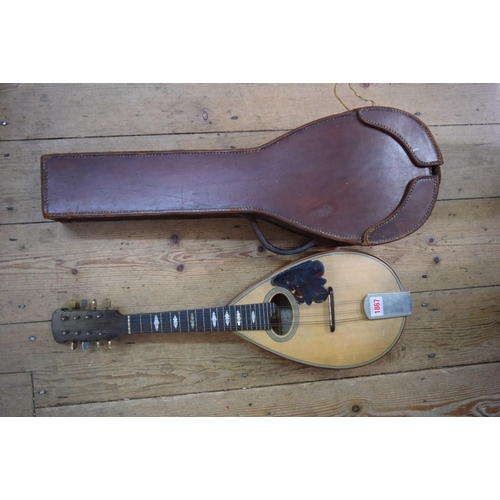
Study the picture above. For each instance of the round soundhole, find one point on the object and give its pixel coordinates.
(282, 319)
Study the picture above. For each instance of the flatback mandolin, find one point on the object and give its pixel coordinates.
(340, 309)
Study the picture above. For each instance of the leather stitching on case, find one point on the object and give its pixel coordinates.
(45, 166)
(439, 161)
(348, 238)
(397, 212)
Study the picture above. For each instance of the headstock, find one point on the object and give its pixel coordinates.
(76, 324)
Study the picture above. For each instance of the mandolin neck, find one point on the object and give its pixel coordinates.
(217, 319)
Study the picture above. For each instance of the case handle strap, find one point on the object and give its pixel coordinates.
(282, 251)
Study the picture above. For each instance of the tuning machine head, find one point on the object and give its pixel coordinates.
(85, 345)
(84, 303)
(71, 325)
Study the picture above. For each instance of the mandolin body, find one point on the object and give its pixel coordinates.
(356, 340)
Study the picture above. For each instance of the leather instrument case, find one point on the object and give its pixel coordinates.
(363, 177)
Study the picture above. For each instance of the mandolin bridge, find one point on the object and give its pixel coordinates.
(331, 308)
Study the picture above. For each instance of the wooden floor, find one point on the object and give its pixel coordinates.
(446, 363)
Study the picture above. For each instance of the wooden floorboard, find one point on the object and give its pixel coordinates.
(16, 395)
(445, 363)
(65, 110)
(463, 391)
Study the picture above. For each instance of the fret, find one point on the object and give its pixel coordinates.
(203, 316)
(235, 318)
(220, 321)
(217, 319)
(161, 322)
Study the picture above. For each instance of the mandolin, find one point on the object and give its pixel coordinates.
(340, 309)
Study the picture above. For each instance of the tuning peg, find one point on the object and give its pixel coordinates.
(85, 346)
(97, 345)
(73, 304)
(83, 304)
(74, 345)
(106, 304)
(94, 304)
(109, 344)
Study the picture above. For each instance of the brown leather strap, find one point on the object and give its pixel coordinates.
(272, 248)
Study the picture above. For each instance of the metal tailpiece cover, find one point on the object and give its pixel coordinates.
(387, 305)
